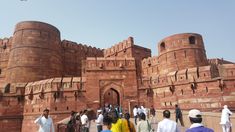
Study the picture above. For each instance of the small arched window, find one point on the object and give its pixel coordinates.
(192, 40)
(162, 46)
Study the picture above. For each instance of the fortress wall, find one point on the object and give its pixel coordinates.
(35, 52)
(140, 53)
(52, 93)
(12, 104)
(74, 53)
(127, 48)
(196, 89)
(227, 71)
(5, 46)
(206, 96)
(199, 87)
(150, 66)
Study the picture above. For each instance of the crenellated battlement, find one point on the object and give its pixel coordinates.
(120, 47)
(217, 61)
(150, 61)
(54, 85)
(227, 71)
(5, 44)
(82, 49)
(110, 63)
(192, 76)
(197, 74)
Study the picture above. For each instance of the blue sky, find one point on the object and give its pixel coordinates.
(102, 23)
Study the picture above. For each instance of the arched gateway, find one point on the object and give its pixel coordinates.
(111, 96)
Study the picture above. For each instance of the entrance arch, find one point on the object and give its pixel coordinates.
(111, 96)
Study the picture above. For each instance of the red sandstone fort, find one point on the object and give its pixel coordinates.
(38, 70)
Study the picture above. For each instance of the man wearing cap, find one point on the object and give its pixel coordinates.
(195, 118)
(225, 121)
(45, 122)
(99, 121)
(167, 125)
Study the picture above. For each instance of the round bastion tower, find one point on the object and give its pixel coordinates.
(35, 53)
(181, 51)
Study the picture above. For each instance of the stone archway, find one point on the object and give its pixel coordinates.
(111, 96)
(111, 92)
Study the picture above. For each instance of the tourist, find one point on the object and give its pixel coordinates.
(143, 125)
(71, 126)
(85, 122)
(145, 111)
(117, 123)
(178, 115)
(135, 113)
(107, 121)
(195, 118)
(152, 114)
(225, 119)
(167, 125)
(117, 109)
(45, 122)
(78, 122)
(128, 124)
(99, 121)
(139, 110)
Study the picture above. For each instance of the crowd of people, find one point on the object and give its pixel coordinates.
(112, 119)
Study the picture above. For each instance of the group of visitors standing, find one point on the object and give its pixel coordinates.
(168, 125)
(112, 120)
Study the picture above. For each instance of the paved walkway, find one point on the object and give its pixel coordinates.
(154, 125)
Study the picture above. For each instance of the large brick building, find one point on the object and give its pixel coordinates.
(38, 70)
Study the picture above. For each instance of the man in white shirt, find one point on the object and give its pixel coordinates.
(45, 122)
(135, 113)
(139, 110)
(167, 125)
(99, 121)
(225, 121)
(85, 122)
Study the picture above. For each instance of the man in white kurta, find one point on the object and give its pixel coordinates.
(225, 121)
(85, 122)
(167, 125)
(45, 122)
(135, 113)
(99, 121)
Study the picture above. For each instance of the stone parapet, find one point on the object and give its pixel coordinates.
(110, 63)
(120, 47)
